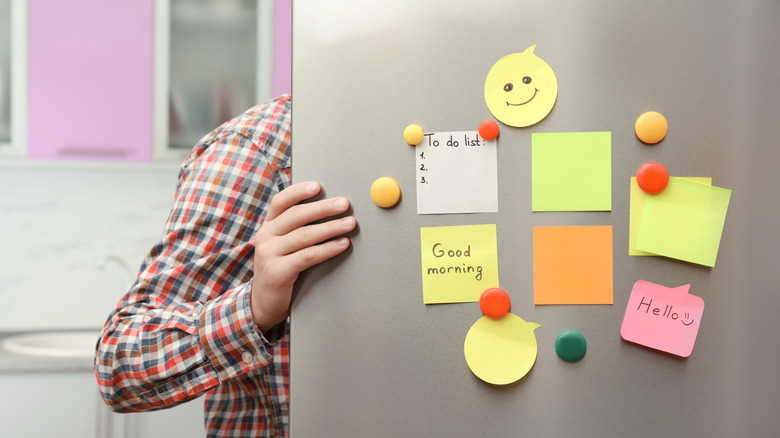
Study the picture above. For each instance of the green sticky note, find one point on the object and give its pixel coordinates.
(571, 171)
(684, 222)
(637, 209)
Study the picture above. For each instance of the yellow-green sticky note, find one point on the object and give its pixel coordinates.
(571, 171)
(458, 263)
(637, 209)
(684, 222)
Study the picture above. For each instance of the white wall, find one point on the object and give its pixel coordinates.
(67, 405)
(57, 220)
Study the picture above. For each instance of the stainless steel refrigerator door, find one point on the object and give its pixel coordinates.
(369, 359)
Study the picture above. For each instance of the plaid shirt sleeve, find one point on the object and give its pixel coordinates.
(186, 325)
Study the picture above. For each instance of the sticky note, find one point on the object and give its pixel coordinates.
(456, 172)
(458, 263)
(521, 89)
(684, 222)
(501, 351)
(637, 209)
(571, 171)
(573, 265)
(662, 318)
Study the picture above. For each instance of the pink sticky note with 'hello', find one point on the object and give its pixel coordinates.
(662, 318)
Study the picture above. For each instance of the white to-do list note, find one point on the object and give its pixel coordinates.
(456, 173)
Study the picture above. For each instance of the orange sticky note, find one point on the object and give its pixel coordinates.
(573, 265)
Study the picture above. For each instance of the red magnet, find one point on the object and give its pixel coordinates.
(652, 177)
(488, 130)
(494, 303)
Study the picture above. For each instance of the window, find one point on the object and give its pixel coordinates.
(13, 77)
(212, 62)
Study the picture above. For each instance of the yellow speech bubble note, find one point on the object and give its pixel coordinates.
(501, 351)
(521, 89)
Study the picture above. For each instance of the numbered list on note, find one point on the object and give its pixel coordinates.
(456, 173)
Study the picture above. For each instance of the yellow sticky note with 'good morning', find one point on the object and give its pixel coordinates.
(458, 263)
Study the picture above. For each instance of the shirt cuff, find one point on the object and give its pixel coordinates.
(230, 338)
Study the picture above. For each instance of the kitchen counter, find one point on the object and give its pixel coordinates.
(11, 362)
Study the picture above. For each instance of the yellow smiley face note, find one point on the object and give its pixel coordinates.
(458, 262)
(521, 89)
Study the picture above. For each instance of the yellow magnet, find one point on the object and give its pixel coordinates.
(651, 127)
(413, 134)
(385, 192)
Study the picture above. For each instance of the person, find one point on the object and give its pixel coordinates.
(208, 313)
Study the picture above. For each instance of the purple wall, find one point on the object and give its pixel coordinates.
(90, 79)
(282, 56)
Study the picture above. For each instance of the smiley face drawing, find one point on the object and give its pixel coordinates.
(521, 89)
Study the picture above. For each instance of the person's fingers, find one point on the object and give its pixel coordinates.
(301, 215)
(290, 196)
(314, 234)
(313, 255)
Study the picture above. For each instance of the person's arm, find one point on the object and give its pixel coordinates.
(187, 323)
(286, 245)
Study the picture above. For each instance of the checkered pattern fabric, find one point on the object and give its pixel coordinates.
(185, 328)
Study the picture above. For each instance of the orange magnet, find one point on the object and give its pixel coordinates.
(488, 130)
(494, 303)
(651, 127)
(385, 192)
(652, 177)
(414, 134)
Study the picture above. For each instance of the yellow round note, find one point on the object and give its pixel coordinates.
(501, 351)
(521, 89)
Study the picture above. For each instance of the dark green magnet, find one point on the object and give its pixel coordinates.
(570, 345)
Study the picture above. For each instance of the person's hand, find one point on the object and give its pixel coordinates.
(288, 243)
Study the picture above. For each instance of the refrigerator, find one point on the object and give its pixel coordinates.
(372, 356)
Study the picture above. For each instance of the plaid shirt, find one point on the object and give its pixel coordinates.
(185, 328)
